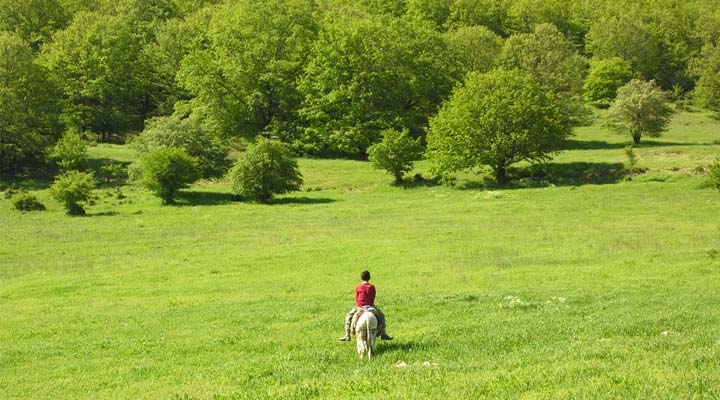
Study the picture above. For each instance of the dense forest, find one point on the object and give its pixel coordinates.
(327, 77)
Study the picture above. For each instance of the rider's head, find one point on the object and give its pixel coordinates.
(365, 275)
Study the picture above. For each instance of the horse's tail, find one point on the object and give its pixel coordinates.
(369, 339)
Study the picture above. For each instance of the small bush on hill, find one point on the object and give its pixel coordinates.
(72, 189)
(265, 168)
(395, 153)
(167, 170)
(112, 172)
(70, 152)
(26, 202)
(714, 177)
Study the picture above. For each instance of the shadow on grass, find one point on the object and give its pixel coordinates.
(197, 198)
(402, 346)
(301, 200)
(103, 214)
(25, 184)
(565, 174)
(419, 181)
(601, 145)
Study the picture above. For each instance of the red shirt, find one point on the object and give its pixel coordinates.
(364, 295)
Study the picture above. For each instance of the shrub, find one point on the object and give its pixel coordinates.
(112, 171)
(73, 188)
(605, 78)
(265, 168)
(165, 171)
(184, 133)
(70, 152)
(395, 153)
(714, 177)
(630, 153)
(26, 202)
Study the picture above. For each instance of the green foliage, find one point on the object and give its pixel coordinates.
(369, 73)
(714, 176)
(630, 154)
(245, 81)
(24, 201)
(264, 169)
(98, 64)
(475, 48)
(640, 108)
(73, 188)
(28, 107)
(433, 12)
(34, 21)
(165, 171)
(707, 67)
(605, 78)
(176, 131)
(112, 171)
(496, 119)
(395, 153)
(70, 152)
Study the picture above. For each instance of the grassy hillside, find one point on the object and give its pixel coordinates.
(577, 282)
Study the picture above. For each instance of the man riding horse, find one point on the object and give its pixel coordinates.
(365, 302)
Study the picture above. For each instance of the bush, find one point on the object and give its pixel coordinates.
(714, 177)
(605, 78)
(184, 133)
(112, 171)
(73, 188)
(265, 168)
(166, 171)
(26, 202)
(395, 153)
(70, 152)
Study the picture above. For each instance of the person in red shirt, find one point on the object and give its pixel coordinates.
(365, 299)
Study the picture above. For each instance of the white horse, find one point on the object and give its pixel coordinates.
(366, 331)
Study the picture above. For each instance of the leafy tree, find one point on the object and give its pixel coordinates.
(264, 169)
(167, 170)
(496, 119)
(490, 13)
(34, 21)
(604, 79)
(97, 62)
(434, 12)
(640, 108)
(176, 131)
(245, 81)
(28, 107)
(475, 48)
(369, 73)
(73, 188)
(70, 152)
(395, 153)
(707, 67)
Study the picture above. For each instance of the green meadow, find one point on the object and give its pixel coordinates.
(578, 281)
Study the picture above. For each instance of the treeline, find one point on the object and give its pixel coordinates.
(327, 77)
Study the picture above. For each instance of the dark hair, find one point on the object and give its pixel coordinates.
(365, 275)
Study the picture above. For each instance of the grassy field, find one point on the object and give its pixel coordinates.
(580, 281)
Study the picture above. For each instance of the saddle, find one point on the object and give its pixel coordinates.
(358, 313)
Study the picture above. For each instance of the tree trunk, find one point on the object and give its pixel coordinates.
(636, 138)
(501, 174)
(398, 178)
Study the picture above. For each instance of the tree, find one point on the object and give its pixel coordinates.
(395, 153)
(167, 170)
(707, 67)
(552, 61)
(70, 152)
(72, 189)
(640, 108)
(34, 21)
(28, 107)
(434, 12)
(714, 176)
(605, 78)
(475, 48)
(264, 169)
(97, 63)
(178, 131)
(496, 119)
(245, 81)
(369, 73)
